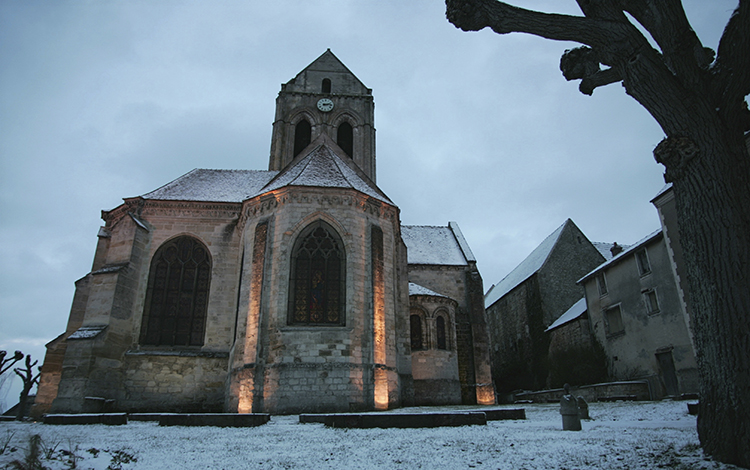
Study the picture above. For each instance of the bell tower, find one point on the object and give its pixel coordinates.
(325, 97)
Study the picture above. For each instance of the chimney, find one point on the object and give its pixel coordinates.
(615, 250)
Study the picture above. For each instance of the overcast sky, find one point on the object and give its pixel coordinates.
(101, 100)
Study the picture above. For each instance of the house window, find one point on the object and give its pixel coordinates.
(415, 324)
(601, 283)
(177, 294)
(345, 138)
(302, 136)
(614, 320)
(440, 330)
(652, 303)
(641, 257)
(326, 85)
(317, 281)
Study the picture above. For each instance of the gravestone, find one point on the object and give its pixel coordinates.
(569, 410)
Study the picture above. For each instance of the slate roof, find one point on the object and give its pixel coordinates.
(526, 269)
(434, 245)
(213, 186)
(621, 256)
(416, 289)
(575, 311)
(322, 167)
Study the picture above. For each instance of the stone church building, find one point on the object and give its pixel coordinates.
(290, 290)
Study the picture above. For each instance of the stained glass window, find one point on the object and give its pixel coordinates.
(415, 323)
(317, 281)
(177, 295)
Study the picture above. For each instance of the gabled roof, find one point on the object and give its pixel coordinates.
(651, 236)
(575, 311)
(416, 289)
(328, 65)
(321, 166)
(526, 269)
(213, 186)
(435, 245)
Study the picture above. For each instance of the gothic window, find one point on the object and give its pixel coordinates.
(302, 136)
(326, 85)
(440, 330)
(177, 294)
(317, 281)
(345, 138)
(415, 323)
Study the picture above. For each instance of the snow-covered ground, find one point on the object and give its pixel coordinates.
(635, 435)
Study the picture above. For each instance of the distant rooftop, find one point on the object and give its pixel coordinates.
(416, 289)
(213, 186)
(575, 311)
(434, 245)
(624, 254)
(526, 269)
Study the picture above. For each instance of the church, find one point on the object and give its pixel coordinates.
(295, 289)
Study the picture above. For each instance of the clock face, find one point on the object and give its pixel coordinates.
(325, 105)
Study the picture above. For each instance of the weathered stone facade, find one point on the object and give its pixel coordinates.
(530, 299)
(639, 318)
(280, 291)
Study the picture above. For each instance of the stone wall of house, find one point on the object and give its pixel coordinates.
(572, 258)
(649, 343)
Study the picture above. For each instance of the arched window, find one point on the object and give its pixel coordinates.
(317, 281)
(345, 138)
(415, 323)
(326, 85)
(440, 331)
(302, 136)
(177, 294)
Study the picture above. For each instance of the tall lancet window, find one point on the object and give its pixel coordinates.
(345, 138)
(302, 136)
(326, 85)
(177, 294)
(317, 282)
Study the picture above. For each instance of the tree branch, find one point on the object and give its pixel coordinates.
(475, 15)
(681, 49)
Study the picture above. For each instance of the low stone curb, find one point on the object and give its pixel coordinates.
(87, 418)
(396, 420)
(223, 420)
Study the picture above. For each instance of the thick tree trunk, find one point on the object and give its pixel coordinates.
(713, 200)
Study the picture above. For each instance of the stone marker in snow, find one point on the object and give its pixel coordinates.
(569, 411)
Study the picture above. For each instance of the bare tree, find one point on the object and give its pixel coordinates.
(6, 364)
(29, 380)
(698, 98)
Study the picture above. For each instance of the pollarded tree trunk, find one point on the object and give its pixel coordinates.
(713, 202)
(700, 105)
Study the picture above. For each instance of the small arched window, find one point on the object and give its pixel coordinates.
(415, 323)
(440, 330)
(345, 138)
(177, 294)
(326, 85)
(317, 282)
(302, 136)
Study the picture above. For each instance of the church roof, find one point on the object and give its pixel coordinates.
(416, 289)
(571, 314)
(213, 186)
(526, 269)
(435, 245)
(323, 167)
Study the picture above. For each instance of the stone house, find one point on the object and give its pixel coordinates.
(529, 299)
(279, 291)
(637, 313)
